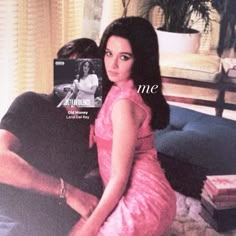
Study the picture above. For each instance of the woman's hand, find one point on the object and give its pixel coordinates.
(82, 202)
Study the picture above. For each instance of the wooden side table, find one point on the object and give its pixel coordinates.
(227, 84)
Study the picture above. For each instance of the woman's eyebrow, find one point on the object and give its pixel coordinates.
(128, 53)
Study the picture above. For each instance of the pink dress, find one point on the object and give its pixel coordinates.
(148, 206)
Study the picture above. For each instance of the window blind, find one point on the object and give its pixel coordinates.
(111, 11)
(31, 32)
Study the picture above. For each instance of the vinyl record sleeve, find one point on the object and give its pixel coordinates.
(74, 87)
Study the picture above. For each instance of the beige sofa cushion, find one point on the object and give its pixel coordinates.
(191, 66)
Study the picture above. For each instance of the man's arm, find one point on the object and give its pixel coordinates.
(15, 171)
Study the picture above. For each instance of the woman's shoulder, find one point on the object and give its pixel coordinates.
(126, 91)
(128, 108)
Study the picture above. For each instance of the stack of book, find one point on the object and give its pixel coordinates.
(218, 200)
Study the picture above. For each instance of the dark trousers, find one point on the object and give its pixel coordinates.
(28, 214)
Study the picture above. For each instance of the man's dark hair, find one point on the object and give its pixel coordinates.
(78, 48)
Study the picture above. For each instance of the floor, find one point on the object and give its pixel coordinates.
(188, 221)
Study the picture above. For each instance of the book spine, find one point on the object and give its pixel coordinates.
(224, 198)
(216, 212)
(217, 204)
(224, 194)
(222, 184)
(210, 220)
(220, 224)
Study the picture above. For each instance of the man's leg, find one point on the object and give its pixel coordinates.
(26, 214)
(7, 224)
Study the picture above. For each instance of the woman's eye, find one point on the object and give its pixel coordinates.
(125, 57)
(108, 54)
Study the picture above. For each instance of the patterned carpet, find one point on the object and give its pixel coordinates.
(188, 222)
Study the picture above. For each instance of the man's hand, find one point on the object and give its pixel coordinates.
(82, 202)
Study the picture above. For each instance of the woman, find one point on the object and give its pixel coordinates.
(86, 84)
(137, 199)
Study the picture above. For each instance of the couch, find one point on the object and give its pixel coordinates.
(195, 145)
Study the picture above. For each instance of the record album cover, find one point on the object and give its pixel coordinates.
(78, 82)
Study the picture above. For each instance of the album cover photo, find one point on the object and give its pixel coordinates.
(78, 82)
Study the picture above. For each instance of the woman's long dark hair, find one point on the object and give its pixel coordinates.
(81, 70)
(146, 71)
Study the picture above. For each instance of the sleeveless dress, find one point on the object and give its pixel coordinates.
(148, 206)
(88, 82)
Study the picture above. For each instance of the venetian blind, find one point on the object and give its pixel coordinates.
(31, 32)
(111, 11)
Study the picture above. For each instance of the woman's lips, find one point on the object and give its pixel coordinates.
(113, 73)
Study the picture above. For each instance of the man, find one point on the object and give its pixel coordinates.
(44, 158)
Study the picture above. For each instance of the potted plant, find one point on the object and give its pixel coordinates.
(125, 4)
(177, 18)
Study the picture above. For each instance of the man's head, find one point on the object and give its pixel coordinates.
(75, 49)
(78, 48)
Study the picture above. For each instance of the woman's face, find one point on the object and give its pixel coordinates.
(86, 67)
(118, 59)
